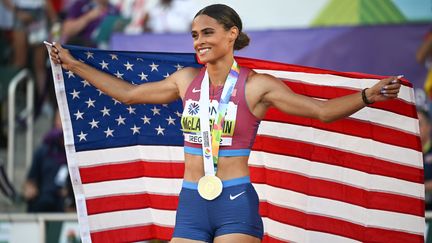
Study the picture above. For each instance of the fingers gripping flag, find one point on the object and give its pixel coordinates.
(359, 179)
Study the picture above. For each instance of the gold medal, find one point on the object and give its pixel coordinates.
(209, 187)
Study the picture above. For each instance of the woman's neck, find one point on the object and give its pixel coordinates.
(219, 71)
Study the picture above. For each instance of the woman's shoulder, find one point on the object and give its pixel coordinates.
(184, 77)
(186, 74)
(255, 78)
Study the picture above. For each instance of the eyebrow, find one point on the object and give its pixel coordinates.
(205, 29)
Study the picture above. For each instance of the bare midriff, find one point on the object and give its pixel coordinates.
(227, 167)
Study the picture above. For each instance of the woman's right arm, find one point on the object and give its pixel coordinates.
(161, 92)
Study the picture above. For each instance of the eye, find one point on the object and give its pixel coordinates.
(194, 36)
(208, 32)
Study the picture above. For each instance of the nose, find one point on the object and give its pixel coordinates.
(199, 40)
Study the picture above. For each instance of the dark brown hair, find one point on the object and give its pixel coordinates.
(228, 18)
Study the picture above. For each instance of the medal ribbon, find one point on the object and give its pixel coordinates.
(211, 149)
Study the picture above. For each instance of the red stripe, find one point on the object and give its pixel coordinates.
(284, 215)
(133, 234)
(352, 127)
(286, 180)
(332, 156)
(299, 149)
(337, 191)
(335, 226)
(270, 239)
(130, 202)
(397, 106)
(129, 170)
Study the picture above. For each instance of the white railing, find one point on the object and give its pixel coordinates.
(23, 75)
(40, 218)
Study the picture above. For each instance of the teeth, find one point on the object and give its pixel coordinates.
(203, 50)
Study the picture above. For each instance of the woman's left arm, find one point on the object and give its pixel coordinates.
(275, 93)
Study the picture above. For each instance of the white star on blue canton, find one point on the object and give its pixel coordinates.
(135, 129)
(128, 66)
(75, 94)
(82, 136)
(116, 101)
(105, 111)
(154, 67)
(70, 74)
(146, 119)
(171, 120)
(114, 57)
(90, 102)
(131, 110)
(89, 54)
(79, 115)
(119, 75)
(94, 124)
(178, 113)
(143, 76)
(155, 110)
(109, 132)
(85, 83)
(100, 92)
(120, 120)
(178, 66)
(104, 65)
(166, 75)
(160, 130)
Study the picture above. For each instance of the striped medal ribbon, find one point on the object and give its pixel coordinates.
(210, 186)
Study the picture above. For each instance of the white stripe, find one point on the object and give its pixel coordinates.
(81, 207)
(343, 142)
(388, 119)
(291, 233)
(131, 186)
(346, 176)
(277, 196)
(340, 210)
(131, 153)
(130, 218)
(330, 80)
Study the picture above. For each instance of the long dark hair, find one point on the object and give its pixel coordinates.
(228, 18)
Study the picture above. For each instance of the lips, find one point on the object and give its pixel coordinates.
(202, 51)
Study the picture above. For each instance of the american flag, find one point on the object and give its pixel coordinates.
(359, 179)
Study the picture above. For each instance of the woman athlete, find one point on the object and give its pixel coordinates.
(231, 215)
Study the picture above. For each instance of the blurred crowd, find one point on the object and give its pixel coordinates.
(25, 24)
(424, 57)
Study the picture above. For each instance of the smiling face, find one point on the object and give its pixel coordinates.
(210, 39)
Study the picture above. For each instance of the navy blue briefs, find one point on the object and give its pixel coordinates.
(236, 210)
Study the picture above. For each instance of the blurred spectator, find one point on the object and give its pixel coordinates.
(425, 138)
(6, 186)
(424, 56)
(6, 21)
(30, 29)
(46, 180)
(133, 13)
(170, 16)
(6, 17)
(83, 20)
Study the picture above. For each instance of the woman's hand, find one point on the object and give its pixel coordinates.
(385, 89)
(60, 55)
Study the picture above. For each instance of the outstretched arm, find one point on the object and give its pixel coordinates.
(277, 94)
(161, 92)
